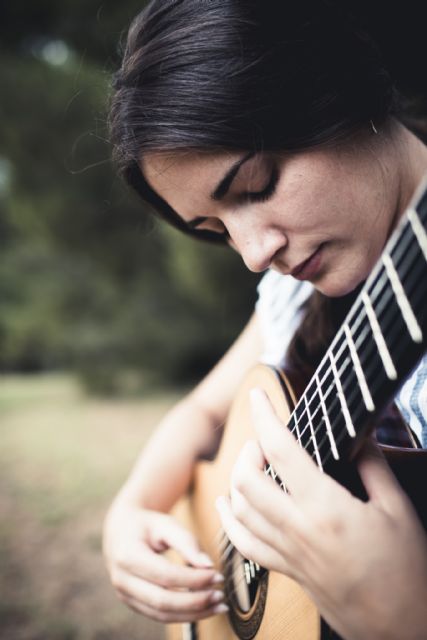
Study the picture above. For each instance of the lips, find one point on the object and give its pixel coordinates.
(296, 270)
(309, 267)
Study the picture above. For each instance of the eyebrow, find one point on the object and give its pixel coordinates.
(223, 186)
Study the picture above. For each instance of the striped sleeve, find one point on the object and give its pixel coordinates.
(412, 401)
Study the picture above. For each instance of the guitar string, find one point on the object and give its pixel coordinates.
(406, 235)
(372, 359)
(343, 367)
(229, 548)
(396, 245)
(328, 373)
(369, 359)
(342, 435)
(362, 337)
(362, 316)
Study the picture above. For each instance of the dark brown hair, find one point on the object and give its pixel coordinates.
(249, 76)
(242, 75)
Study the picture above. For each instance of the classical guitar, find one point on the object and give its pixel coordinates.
(378, 345)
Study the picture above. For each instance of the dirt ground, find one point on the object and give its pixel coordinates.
(62, 457)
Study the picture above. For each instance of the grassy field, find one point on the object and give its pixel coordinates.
(62, 458)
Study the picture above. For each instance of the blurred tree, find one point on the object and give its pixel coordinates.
(87, 277)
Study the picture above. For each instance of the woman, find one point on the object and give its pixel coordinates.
(278, 131)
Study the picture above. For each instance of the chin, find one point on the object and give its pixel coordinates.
(335, 288)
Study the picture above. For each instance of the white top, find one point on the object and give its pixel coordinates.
(279, 311)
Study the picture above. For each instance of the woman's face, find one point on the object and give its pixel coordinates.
(322, 215)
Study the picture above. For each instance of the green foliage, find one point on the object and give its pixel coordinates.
(88, 279)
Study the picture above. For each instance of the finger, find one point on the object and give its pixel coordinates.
(171, 534)
(165, 600)
(171, 617)
(263, 497)
(246, 542)
(145, 563)
(275, 537)
(379, 480)
(294, 466)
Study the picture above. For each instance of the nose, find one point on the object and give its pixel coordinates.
(258, 248)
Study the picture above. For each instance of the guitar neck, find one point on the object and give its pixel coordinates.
(378, 345)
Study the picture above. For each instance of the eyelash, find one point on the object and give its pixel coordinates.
(252, 196)
(265, 194)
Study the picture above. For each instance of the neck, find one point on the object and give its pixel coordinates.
(411, 162)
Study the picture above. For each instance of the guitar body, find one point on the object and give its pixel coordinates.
(285, 610)
(277, 608)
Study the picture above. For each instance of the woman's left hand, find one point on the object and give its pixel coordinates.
(364, 564)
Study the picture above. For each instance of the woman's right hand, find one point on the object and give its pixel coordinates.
(134, 543)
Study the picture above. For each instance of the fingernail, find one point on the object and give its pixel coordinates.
(220, 608)
(218, 577)
(204, 559)
(216, 596)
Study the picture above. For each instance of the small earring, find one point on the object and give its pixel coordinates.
(374, 129)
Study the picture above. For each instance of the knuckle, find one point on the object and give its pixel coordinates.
(239, 483)
(160, 603)
(247, 549)
(166, 581)
(326, 520)
(275, 452)
(122, 557)
(201, 602)
(162, 616)
(239, 480)
(239, 508)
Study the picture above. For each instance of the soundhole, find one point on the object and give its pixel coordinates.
(246, 592)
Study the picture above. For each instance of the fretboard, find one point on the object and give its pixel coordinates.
(378, 345)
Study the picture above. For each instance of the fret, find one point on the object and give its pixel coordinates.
(366, 394)
(328, 392)
(270, 471)
(415, 275)
(301, 419)
(327, 421)
(346, 413)
(295, 429)
(411, 268)
(403, 302)
(313, 436)
(375, 347)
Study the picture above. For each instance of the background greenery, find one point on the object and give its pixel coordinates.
(90, 283)
(88, 280)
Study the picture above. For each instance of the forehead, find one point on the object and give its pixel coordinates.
(177, 170)
(185, 180)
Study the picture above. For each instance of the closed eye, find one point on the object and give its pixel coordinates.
(267, 192)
